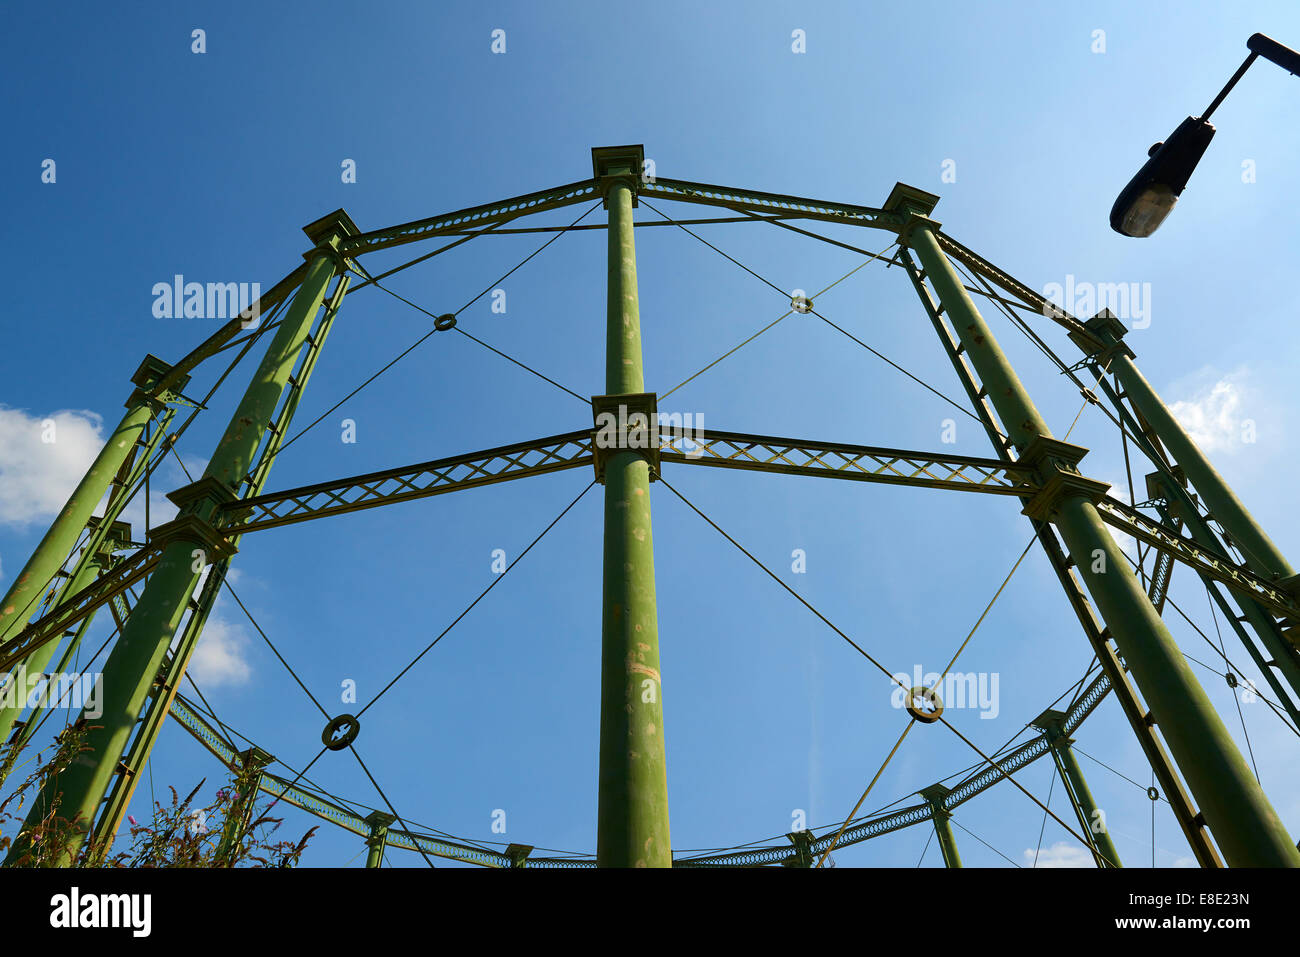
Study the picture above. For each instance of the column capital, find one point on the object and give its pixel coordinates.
(625, 423)
(934, 796)
(914, 205)
(1052, 723)
(618, 165)
(1110, 331)
(146, 379)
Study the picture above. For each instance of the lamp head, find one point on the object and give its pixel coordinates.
(1150, 195)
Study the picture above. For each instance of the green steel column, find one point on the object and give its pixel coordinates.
(24, 594)
(248, 785)
(192, 542)
(934, 795)
(1244, 823)
(1091, 818)
(632, 816)
(36, 662)
(1264, 557)
(377, 841)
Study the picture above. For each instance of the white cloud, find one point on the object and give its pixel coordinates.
(1061, 854)
(219, 658)
(1126, 542)
(42, 458)
(1215, 415)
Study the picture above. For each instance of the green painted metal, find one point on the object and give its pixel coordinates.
(106, 536)
(407, 483)
(178, 658)
(738, 450)
(1092, 819)
(632, 816)
(23, 596)
(1283, 657)
(51, 625)
(99, 555)
(1243, 822)
(190, 542)
(1259, 551)
(377, 839)
(1113, 676)
(503, 211)
(249, 770)
(209, 347)
(1280, 659)
(793, 207)
(934, 796)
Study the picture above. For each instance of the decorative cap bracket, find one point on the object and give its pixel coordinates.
(625, 423)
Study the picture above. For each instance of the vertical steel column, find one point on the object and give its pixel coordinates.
(632, 815)
(113, 810)
(1264, 557)
(24, 594)
(1091, 818)
(191, 543)
(377, 842)
(1189, 819)
(115, 538)
(934, 796)
(248, 781)
(1243, 822)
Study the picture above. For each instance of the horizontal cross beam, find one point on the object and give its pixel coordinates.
(485, 215)
(538, 457)
(765, 453)
(795, 207)
(76, 607)
(1204, 560)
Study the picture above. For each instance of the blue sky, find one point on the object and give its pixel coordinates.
(208, 164)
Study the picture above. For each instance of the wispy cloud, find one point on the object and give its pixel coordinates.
(1217, 412)
(1060, 854)
(42, 458)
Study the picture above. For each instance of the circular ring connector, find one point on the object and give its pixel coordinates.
(928, 699)
(348, 725)
(1231, 679)
(445, 322)
(1153, 794)
(801, 304)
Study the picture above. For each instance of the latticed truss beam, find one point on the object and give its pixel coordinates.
(765, 453)
(1135, 712)
(483, 215)
(190, 718)
(552, 454)
(76, 607)
(762, 453)
(739, 450)
(915, 814)
(1220, 568)
(793, 206)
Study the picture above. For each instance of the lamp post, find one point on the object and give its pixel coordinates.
(1150, 195)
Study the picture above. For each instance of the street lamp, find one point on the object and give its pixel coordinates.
(1150, 195)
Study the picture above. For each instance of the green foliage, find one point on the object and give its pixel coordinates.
(230, 831)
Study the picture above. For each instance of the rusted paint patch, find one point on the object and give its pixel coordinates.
(643, 670)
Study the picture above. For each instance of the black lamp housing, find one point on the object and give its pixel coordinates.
(1150, 195)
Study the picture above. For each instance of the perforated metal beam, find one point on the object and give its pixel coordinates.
(407, 483)
(795, 207)
(474, 216)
